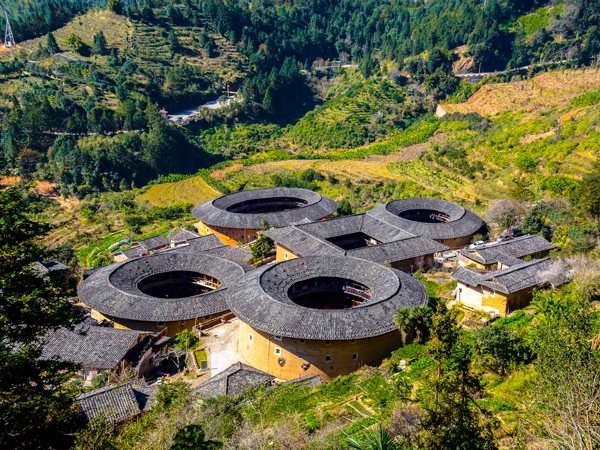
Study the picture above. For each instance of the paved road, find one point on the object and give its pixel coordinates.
(222, 344)
(189, 113)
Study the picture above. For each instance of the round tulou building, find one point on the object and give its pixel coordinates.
(324, 315)
(238, 217)
(167, 290)
(445, 222)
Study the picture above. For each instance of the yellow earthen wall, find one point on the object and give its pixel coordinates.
(281, 252)
(260, 353)
(229, 236)
(172, 327)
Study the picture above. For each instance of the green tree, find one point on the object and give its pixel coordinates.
(268, 102)
(100, 44)
(192, 437)
(564, 407)
(186, 340)
(172, 395)
(262, 247)
(452, 419)
(173, 41)
(75, 43)
(36, 402)
(526, 163)
(51, 45)
(501, 347)
(115, 6)
(220, 417)
(344, 208)
(586, 197)
(536, 221)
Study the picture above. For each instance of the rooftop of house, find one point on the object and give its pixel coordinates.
(282, 207)
(508, 252)
(96, 348)
(516, 278)
(45, 267)
(152, 243)
(428, 217)
(115, 291)
(387, 242)
(183, 235)
(233, 381)
(263, 300)
(116, 403)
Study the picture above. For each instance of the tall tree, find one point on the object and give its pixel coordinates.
(51, 45)
(452, 419)
(115, 6)
(100, 43)
(36, 404)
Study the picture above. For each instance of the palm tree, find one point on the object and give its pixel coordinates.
(404, 322)
(373, 439)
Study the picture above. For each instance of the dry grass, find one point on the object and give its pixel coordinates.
(192, 190)
(544, 92)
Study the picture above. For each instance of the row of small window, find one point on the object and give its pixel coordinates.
(181, 322)
(301, 355)
(208, 231)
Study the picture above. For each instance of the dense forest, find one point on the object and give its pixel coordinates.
(274, 42)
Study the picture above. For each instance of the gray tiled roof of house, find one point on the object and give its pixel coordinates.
(306, 380)
(133, 252)
(183, 235)
(397, 245)
(112, 403)
(513, 279)
(215, 212)
(509, 251)
(233, 381)
(400, 250)
(153, 242)
(302, 243)
(113, 290)
(96, 348)
(261, 299)
(462, 222)
(48, 267)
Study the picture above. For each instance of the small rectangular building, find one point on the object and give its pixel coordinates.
(502, 255)
(100, 349)
(506, 290)
(142, 248)
(116, 403)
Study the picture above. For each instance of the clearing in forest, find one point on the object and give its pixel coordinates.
(191, 190)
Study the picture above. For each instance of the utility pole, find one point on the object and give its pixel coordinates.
(9, 39)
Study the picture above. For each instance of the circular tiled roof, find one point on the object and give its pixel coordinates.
(113, 290)
(215, 212)
(261, 300)
(461, 222)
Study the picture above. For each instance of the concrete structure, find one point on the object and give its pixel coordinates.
(174, 289)
(321, 315)
(448, 223)
(506, 290)
(238, 217)
(359, 236)
(502, 255)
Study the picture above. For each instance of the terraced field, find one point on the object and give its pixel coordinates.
(546, 91)
(192, 190)
(116, 29)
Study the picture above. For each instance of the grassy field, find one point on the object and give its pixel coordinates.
(547, 91)
(192, 190)
(116, 29)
